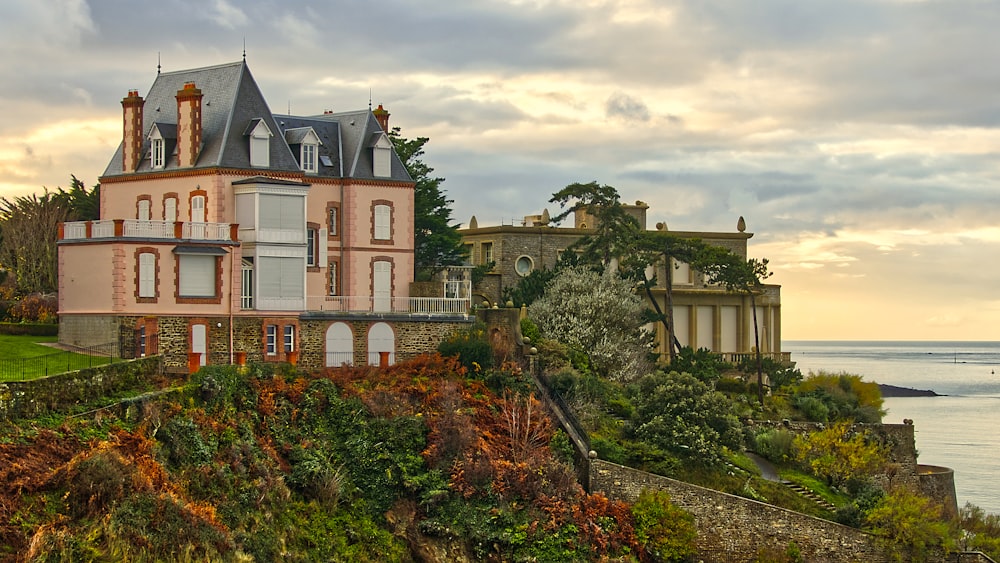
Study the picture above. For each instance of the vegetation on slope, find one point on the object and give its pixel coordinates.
(348, 465)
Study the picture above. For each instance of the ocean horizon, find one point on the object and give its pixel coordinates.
(958, 429)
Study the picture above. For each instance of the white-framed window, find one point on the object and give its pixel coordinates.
(383, 217)
(156, 153)
(486, 252)
(308, 157)
(271, 343)
(260, 144)
(382, 157)
(170, 209)
(147, 275)
(332, 221)
(246, 285)
(143, 212)
(197, 275)
(312, 247)
(198, 209)
(289, 338)
(333, 285)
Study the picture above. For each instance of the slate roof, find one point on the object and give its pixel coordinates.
(231, 103)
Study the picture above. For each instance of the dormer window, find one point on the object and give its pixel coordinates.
(308, 158)
(381, 156)
(307, 142)
(260, 143)
(157, 150)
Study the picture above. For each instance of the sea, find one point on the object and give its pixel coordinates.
(960, 429)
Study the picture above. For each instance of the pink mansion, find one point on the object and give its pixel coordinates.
(229, 232)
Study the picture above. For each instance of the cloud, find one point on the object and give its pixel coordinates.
(621, 105)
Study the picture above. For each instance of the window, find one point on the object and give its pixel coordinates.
(283, 213)
(142, 342)
(143, 209)
(289, 338)
(383, 216)
(260, 143)
(197, 275)
(170, 209)
(332, 221)
(198, 209)
(524, 265)
(280, 279)
(246, 287)
(147, 275)
(311, 247)
(333, 278)
(308, 157)
(156, 155)
(271, 343)
(486, 252)
(382, 157)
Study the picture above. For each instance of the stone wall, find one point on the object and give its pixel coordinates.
(732, 528)
(37, 397)
(88, 330)
(938, 483)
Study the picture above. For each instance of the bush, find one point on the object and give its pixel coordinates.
(909, 524)
(470, 346)
(775, 445)
(665, 531)
(530, 330)
(35, 308)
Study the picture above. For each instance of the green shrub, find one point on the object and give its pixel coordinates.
(530, 330)
(665, 531)
(471, 346)
(775, 445)
(813, 408)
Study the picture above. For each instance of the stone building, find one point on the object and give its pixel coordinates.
(230, 232)
(705, 316)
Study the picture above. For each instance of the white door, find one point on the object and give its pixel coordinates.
(199, 341)
(339, 345)
(382, 290)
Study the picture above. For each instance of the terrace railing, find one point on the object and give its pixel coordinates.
(131, 228)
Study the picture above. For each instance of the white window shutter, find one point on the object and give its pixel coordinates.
(322, 254)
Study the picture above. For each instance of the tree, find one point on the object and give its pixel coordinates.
(910, 525)
(746, 277)
(839, 453)
(679, 413)
(619, 238)
(81, 205)
(597, 315)
(29, 226)
(436, 240)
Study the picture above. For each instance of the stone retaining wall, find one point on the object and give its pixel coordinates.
(57, 393)
(732, 528)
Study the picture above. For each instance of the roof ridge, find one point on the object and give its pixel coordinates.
(210, 67)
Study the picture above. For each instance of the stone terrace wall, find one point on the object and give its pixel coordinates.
(732, 528)
(37, 397)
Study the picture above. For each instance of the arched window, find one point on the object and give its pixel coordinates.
(339, 345)
(381, 340)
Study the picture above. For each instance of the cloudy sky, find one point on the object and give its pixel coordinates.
(858, 138)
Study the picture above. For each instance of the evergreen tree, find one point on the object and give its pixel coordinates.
(436, 240)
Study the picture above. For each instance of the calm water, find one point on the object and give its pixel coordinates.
(960, 431)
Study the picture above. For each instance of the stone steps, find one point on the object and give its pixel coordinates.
(810, 495)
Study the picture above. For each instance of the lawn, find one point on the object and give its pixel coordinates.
(22, 357)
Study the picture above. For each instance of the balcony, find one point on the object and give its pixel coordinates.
(783, 358)
(131, 228)
(394, 305)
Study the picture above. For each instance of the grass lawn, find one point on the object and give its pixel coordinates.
(22, 357)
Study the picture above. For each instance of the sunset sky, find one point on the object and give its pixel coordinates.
(858, 138)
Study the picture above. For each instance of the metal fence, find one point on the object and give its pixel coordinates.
(131, 344)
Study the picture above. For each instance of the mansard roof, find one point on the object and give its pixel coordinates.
(232, 104)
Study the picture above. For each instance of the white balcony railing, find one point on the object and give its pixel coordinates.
(368, 304)
(132, 228)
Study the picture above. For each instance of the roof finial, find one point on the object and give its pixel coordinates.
(244, 48)
(369, 99)
(157, 62)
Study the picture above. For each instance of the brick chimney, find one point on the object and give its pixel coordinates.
(382, 116)
(188, 125)
(132, 130)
